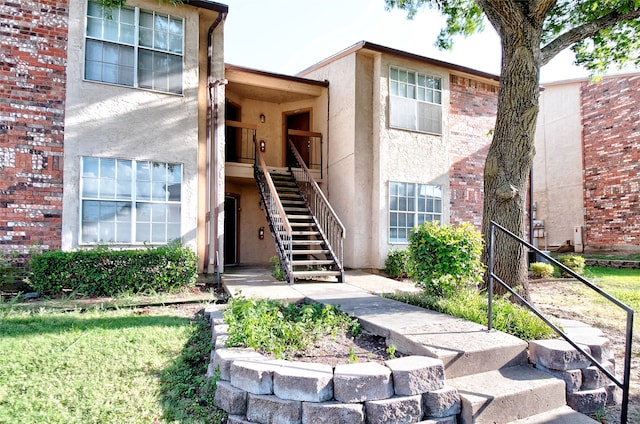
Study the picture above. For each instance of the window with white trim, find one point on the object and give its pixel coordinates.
(411, 205)
(129, 202)
(415, 101)
(134, 47)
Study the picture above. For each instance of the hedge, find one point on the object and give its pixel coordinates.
(102, 271)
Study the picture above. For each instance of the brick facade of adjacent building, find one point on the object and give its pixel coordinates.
(472, 117)
(611, 139)
(33, 58)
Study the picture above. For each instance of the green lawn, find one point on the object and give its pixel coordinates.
(623, 284)
(99, 366)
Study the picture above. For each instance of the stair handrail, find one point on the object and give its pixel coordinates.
(328, 221)
(278, 221)
(624, 384)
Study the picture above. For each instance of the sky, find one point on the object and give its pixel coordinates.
(288, 36)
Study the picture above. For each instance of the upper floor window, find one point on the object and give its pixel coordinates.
(411, 205)
(134, 47)
(129, 202)
(415, 101)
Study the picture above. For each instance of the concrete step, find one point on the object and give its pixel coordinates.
(507, 394)
(563, 415)
(312, 262)
(311, 252)
(315, 274)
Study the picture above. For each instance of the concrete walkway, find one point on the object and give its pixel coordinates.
(472, 356)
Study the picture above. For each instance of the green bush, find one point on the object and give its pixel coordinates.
(277, 272)
(101, 271)
(541, 269)
(574, 262)
(446, 258)
(397, 264)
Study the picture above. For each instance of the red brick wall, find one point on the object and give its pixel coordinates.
(33, 56)
(472, 117)
(611, 137)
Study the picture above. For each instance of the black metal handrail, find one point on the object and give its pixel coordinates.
(276, 216)
(624, 384)
(327, 220)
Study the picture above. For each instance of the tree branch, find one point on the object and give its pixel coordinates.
(541, 8)
(584, 31)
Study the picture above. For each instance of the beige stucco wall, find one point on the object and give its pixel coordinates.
(121, 122)
(558, 166)
(239, 178)
(365, 154)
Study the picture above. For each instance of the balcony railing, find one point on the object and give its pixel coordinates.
(240, 142)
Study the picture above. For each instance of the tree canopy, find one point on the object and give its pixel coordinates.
(532, 32)
(601, 33)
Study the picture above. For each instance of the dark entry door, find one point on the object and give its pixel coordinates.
(299, 121)
(231, 230)
(233, 135)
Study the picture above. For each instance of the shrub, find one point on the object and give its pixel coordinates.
(277, 272)
(574, 262)
(446, 258)
(541, 269)
(397, 263)
(101, 271)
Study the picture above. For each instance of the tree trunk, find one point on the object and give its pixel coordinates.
(511, 153)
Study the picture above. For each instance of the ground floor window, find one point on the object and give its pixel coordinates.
(129, 202)
(410, 205)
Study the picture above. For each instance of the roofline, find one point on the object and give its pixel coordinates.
(274, 75)
(624, 74)
(388, 50)
(209, 5)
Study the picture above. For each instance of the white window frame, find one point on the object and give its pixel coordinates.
(129, 39)
(118, 191)
(405, 209)
(415, 101)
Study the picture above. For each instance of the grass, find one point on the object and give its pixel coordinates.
(103, 366)
(472, 306)
(621, 283)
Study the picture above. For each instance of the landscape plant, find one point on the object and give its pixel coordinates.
(102, 271)
(445, 258)
(541, 269)
(271, 326)
(397, 265)
(574, 262)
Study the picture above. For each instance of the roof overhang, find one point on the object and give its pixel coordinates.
(270, 87)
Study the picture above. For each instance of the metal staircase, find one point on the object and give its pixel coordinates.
(307, 232)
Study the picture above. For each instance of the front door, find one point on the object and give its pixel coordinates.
(298, 121)
(231, 229)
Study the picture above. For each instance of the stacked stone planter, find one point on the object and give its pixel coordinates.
(255, 389)
(588, 389)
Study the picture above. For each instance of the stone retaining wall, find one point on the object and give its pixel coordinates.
(612, 263)
(255, 389)
(588, 388)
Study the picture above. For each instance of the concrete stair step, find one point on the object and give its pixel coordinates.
(310, 252)
(305, 242)
(312, 262)
(507, 395)
(312, 274)
(563, 415)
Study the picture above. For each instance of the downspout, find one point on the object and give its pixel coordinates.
(211, 136)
